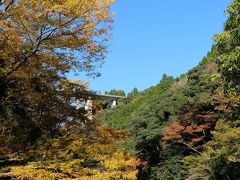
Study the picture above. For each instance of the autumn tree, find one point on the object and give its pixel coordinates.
(40, 43)
(220, 158)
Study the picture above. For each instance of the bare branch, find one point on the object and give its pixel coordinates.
(7, 7)
(44, 35)
(28, 33)
(184, 143)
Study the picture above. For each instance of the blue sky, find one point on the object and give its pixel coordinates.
(155, 37)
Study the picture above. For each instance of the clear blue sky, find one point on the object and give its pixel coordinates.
(155, 37)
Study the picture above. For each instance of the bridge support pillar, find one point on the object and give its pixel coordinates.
(113, 104)
(89, 109)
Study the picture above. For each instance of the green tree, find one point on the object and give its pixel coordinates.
(133, 93)
(116, 92)
(228, 47)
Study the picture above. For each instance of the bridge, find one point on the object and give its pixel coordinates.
(112, 98)
(88, 103)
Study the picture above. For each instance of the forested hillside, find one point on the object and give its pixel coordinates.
(182, 128)
(188, 127)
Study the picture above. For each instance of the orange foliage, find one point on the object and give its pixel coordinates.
(173, 132)
(191, 136)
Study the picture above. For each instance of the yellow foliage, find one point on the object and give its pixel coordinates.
(33, 174)
(83, 158)
(36, 30)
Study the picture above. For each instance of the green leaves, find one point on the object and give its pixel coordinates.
(228, 47)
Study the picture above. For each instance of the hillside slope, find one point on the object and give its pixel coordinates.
(171, 121)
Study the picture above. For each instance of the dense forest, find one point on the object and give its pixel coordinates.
(188, 127)
(182, 128)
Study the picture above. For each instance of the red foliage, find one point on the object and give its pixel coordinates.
(173, 132)
(191, 136)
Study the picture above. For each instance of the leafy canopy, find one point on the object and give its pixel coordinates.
(40, 43)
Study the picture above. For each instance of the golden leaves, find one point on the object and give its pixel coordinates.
(79, 26)
(90, 158)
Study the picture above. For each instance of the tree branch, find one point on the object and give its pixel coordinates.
(184, 143)
(7, 7)
(40, 39)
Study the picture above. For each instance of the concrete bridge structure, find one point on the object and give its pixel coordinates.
(112, 98)
(88, 104)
